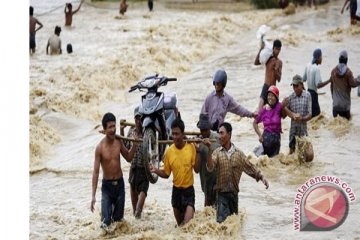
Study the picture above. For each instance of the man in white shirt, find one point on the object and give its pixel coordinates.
(54, 42)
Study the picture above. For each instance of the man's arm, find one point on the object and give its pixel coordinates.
(278, 70)
(351, 80)
(128, 155)
(78, 7)
(252, 171)
(161, 173)
(95, 177)
(47, 47)
(323, 84)
(237, 109)
(342, 9)
(257, 59)
(257, 130)
(40, 25)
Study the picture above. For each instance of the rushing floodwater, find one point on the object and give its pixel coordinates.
(70, 93)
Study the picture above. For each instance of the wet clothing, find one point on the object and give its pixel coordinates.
(264, 92)
(344, 114)
(301, 105)
(341, 84)
(227, 204)
(208, 179)
(138, 180)
(112, 200)
(271, 118)
(137, 175)
(32, 41)
(272, 143)
(217, 107)
(313, 77)
(181, 163)
(315, 107)
(229, 166)
(183, 197)
(55, 44)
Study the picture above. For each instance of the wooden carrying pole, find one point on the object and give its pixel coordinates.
(129, 124)
(193, 140)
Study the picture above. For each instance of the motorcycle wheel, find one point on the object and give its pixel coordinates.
(149, 137)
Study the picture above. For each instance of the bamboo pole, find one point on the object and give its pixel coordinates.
(130, 124)
(192, 140)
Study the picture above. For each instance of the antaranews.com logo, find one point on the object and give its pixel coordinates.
(322, 204)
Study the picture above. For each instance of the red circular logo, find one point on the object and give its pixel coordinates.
(326, 207)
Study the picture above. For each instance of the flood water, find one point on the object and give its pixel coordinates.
(70, 93)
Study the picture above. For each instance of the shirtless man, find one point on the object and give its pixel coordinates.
(69, 13)
(33, 30)
(107, 154)
(272, 71)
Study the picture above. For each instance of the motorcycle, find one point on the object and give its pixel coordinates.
(158, 111)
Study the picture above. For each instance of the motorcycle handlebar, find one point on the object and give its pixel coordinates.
(171, 79)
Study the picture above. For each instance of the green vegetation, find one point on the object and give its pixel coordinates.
(263, 4)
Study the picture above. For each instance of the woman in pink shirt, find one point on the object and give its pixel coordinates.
(270, 116)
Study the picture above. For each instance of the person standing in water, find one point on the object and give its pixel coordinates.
(69, 13)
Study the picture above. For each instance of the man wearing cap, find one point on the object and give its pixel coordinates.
(342, 80)
(313, 78)
(139, 184)
(219, 102)
(298, 108)
(273, 70)
(207, 179)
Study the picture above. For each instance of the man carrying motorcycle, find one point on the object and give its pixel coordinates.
(218, 102)
(180, 159)
(139, 183)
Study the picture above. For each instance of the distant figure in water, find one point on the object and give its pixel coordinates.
(123, 7)
(229, 162)
(69, 13)
(195, 1)
(33, 22)
(353, 10)
(342, 80)
(283, 3)
(298, 107)
(107, 155)
(54, 42)
(150, 5)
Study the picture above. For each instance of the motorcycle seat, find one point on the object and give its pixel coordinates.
(170, 100)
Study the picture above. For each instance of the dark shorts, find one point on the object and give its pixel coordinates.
(227, 204)
(271, 143)
(353, 8)
(264, 91)
(112, 200)
(344, 114)
(32, 41)
(315, 107)
(183, 197)
(138, 180)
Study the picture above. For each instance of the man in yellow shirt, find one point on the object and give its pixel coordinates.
(180, 159)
